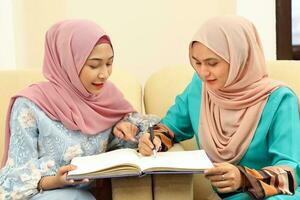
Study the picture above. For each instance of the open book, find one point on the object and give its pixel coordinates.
(128, 162)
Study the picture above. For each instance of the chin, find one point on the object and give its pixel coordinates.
(214, 87)
(95, 92)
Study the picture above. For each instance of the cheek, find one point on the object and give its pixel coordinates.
(109, 70)
(198, 71)
(200, 75)
(225, 75)
(86, 76)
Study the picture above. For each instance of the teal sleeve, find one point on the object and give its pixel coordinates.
(182, 117)
(284, 134)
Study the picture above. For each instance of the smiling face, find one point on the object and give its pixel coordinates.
(211, 68)
(97, 68)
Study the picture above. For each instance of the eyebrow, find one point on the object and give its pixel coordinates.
(100, 58)
(207, 59)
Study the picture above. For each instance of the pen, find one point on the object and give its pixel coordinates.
(152, 138)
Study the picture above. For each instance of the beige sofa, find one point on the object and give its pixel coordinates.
(159, 94)
(162, 87)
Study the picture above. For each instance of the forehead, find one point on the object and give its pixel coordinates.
(202, 52)
(101, 50)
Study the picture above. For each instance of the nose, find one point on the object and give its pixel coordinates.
(103, 74)
(203, 71)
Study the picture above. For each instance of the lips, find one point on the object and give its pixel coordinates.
(98, 85)
(210, 81)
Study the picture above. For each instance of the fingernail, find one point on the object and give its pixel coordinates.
(133, 139)
(71, 181)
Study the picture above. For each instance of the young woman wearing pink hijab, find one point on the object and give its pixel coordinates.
(71, 114)
(246, 122)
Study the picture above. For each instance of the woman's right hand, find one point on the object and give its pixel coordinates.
(146, 146)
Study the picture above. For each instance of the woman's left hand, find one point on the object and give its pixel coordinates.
(225, 177)
(125, 130)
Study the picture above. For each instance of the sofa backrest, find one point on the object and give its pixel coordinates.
(163, 86)
(15, 80)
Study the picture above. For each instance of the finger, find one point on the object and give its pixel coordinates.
(148, 141)
(219, 177)
(214, 177)
(118, 133)
(225, 190)
(130, 134)
(145, 151)
(145, 146)
(145, 136)
(157, 143)
(76, 182)
(221, 184)
(70, 182)
(225, 167)
(220, 164)
(64, 169)
(83, 181)
(134, 130)
(213, 172)
(128, 131)
(86, 180)
(145, 139)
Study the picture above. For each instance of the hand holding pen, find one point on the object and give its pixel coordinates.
(149, 145)
(152, 139)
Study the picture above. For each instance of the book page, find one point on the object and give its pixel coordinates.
(107, 160)
(196, 160)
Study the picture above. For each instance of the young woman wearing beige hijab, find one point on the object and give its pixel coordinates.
(246, 122)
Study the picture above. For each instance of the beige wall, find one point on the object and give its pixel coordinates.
(147, 35)
(31, 20)
(264, 19)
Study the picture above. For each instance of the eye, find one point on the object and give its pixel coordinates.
(93, 66)
(212, 64)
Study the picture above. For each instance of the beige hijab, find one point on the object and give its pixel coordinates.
(229, 117)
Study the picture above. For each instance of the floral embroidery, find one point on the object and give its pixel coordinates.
(26, 118)
(2, 193)
(71, 152)
(16, 195)
(30, 182)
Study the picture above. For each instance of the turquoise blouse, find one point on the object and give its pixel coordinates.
(275, 140)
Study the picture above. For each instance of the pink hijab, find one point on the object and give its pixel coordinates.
(63, 97)
(229, 117)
